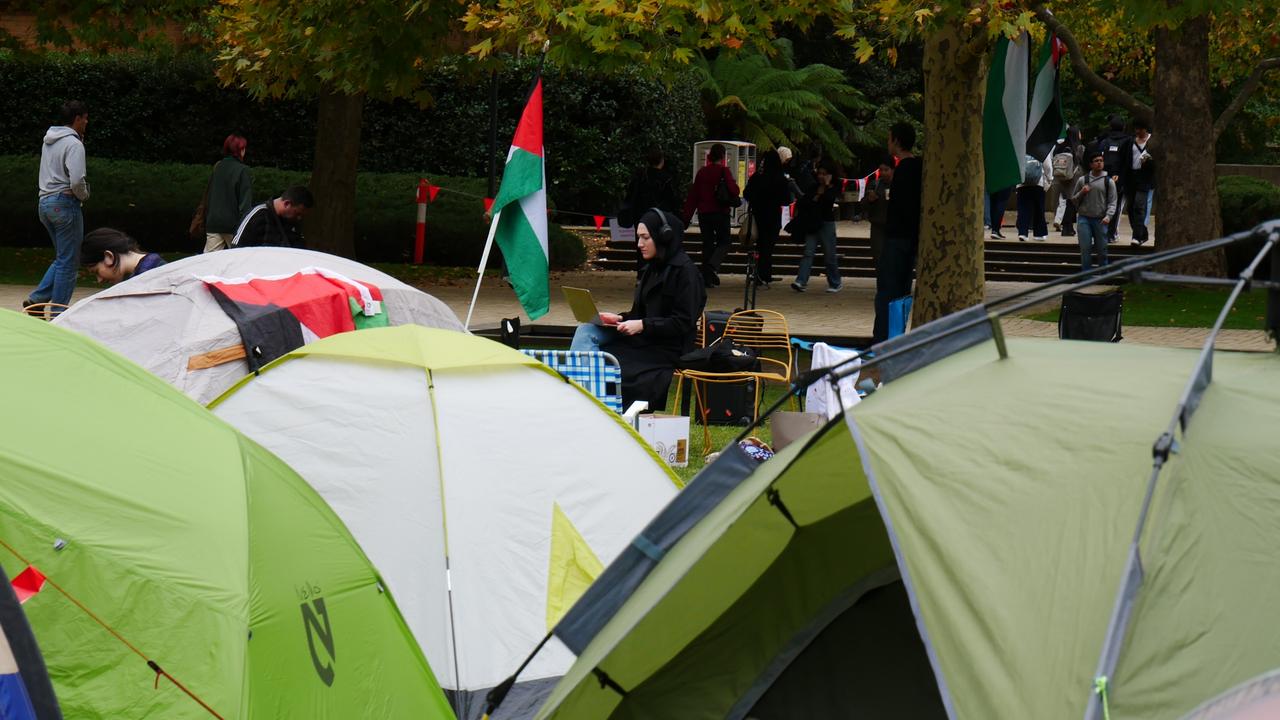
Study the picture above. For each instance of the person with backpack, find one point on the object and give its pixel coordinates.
(714, 193)
(1036, 178)
(1116, 155)
(1095, 197)
(1067, 161)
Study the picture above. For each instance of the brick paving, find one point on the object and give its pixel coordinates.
(812, 313)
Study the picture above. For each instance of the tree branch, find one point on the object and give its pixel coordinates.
(1237, 104)
(1136, 108)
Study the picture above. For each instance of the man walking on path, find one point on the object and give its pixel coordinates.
(1095, 198)
(1138, 181)
(62, 187)
(1115, 147)
(274, 223)
(898, 257)
(713, 194)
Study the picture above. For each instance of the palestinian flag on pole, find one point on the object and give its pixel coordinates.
(520, 211)
(1004, 114)
(280, 313)
(1046, 121)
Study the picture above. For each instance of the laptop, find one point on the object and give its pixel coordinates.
(583, 307)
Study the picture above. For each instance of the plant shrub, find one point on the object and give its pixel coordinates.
(154, 203)
(170, 109)
(1246, 201)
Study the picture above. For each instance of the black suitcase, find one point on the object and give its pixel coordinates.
(727, 403)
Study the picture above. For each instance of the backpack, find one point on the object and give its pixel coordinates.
(1112, 153)
(1064, 165)
(1033, 172)
(725, 198)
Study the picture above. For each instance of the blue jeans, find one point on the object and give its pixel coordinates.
(826, 233)
(589, 338)
(1092, 235)
(62, 219)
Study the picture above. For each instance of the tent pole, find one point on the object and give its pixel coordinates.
(484, 260)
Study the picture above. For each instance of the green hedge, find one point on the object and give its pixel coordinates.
(170, 109)
(1246, 201)
(154, 203)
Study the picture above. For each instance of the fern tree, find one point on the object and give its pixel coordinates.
(768, 101)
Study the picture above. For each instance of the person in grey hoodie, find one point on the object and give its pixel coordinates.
(62, 188)
(1095, 197)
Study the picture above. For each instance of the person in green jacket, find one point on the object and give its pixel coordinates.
(230, 195)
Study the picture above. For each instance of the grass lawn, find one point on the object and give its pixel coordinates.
(1163, 305)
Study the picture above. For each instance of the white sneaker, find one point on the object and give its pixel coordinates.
(1022, 238)
(1041, 238)
(833, 288)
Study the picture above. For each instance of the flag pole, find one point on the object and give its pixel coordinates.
(493, 226)
(484, 260)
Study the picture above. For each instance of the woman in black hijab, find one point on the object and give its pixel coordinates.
(661, 325)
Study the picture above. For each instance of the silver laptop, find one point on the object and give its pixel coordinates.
(583, 307)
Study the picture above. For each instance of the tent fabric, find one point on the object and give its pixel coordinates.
(200, 548)
(164, 318)
(451, 457)
(1005, 492)
(1014, 537)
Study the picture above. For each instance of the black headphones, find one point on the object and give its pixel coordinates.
(665, 232)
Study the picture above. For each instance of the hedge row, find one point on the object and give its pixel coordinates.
(154, 202)
(1246, 202)
(170, 109)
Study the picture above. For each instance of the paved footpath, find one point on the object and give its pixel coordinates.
(813, 313)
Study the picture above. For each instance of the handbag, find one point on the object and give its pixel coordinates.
(721, 356)
(724, 197)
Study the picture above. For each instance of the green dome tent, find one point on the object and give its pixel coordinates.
(190, 573)
(953, 547)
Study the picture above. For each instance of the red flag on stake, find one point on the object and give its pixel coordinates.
(432, 192)
(599, 220)
(488, 204)
(877, 173)
(844, 184)
(27, 583)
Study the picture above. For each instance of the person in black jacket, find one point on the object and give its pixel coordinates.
(651, 186)
(767, 192)
(898, 258)
(275, 222)
(661, 325)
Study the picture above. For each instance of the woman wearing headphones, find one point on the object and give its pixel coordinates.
(649, 338)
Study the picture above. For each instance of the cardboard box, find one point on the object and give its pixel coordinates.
(787, 427)
(668, 435)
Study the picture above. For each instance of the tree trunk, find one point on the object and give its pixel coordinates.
(950, 274)
(330, 226)
(1186, 198)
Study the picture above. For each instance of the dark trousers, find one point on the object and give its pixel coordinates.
(893, 280)
(999, 200)
(716, 241)
(1031, 211)
(1113, 227)
(1136, 199)
(766, 240)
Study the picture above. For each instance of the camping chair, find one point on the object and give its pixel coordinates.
(598, 372)
(45, 311)
(763, 331)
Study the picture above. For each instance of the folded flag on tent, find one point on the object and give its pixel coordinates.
(26, 585)
(280, 313)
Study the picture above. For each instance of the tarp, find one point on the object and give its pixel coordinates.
(488, 489)
(168, 321)
(996, 498)
(173, 543)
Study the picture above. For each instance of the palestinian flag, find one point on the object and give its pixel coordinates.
(1004, 114)
(1046, 121)
(520, 211)
(25, 691)
(280, 313)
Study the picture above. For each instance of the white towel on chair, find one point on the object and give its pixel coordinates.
(821, 396)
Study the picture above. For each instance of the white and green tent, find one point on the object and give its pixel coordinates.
(488, 489)
(954, 547)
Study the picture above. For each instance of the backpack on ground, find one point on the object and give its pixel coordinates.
(1064, 165)
(1033, 172)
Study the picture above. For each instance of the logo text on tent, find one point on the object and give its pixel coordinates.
(315, 618)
